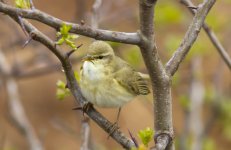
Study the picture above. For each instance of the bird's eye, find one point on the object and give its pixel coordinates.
(100, 57)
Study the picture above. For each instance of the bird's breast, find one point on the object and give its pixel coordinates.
(92, 71)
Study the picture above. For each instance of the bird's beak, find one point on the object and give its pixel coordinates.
(87, 58)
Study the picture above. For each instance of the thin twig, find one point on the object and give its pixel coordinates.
(99, 34)
(212, 36)
(31, 4)
(86, 133)
(190, 36)
(95, 14)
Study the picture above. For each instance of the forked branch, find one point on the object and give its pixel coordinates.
(212, 36)
(190, 36)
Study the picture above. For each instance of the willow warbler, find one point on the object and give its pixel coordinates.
(108, 81)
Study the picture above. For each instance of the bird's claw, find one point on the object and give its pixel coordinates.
(112, 128)
(84, 108)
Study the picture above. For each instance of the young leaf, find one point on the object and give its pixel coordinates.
(65, 37)
(23, 4)
(61, 91)
(60, 84)
(146, 135)
(77, 77)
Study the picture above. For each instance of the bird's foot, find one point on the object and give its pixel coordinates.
(112, 128)
(84, 108)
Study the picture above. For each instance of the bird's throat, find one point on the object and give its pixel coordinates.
(93, 71)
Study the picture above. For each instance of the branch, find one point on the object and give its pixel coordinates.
(16, 108)
(73, 85)
(212, 36)
(196, 95)
(190, 36)
(123, 37)
(95, 14)
(86, 130)
(160, 80)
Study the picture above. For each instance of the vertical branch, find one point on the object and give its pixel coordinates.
(196, 97)
(95, 14)
(16, 108)
(86, 133)
(160, 81)
(81, 9)
(19, 116)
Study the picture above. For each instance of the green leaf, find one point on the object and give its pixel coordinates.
(61, 91)
(60, 84)
(60, 94)
(66, 37)
(23, 4)
(146, 135)
(60, 41)
(77, 77)
(70, 43)
(64, 30)
(73, 36)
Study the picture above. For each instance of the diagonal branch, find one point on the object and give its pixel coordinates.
(73, 85)
(190, 36)
(99, 34)
(212, 36)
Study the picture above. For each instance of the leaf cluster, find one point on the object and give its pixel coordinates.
(65, 37)
(145, 136)
(61, 90)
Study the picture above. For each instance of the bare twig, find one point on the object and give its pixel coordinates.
(129, 38)
(190, 36)
(212, 36)
(73, 85)
(95, 14)
(16, 109)
(31, 4)
(81, 10)
(85, 135)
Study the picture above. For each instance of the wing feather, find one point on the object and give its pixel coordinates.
(131, 80)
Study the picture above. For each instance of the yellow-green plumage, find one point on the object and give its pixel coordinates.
(107, 80)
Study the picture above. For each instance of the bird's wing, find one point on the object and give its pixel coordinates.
(131, 80)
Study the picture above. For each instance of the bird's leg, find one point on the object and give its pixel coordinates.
(118, 115)
(112, 128)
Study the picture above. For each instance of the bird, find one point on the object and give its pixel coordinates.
(108, 81)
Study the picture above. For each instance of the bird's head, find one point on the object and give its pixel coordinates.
(99, 51)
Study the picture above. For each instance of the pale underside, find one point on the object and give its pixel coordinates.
(111, 82)
(103, 91)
